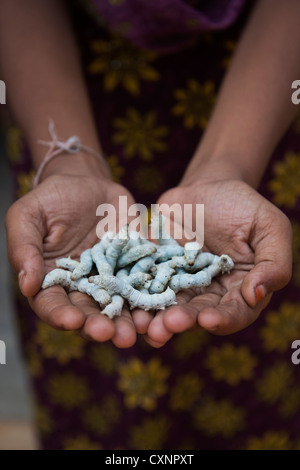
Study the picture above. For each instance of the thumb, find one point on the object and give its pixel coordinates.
(25, 233)
(272, 245)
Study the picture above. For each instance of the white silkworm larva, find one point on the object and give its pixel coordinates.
(166, 252)
(63, 278)
(136, 298)
(114, 309)
(202, 278)
(138, 280)
(99, 258)
(118, 243)
(191, 251)
(159, 233)
(134, 254)
(106, 240)
(134, 240)
(143, 265)
(163, 275)
(100, 295)
(202, 260)
(67, 263)
(226, 264)
(85, 265)
(174, 267)
(57, 277)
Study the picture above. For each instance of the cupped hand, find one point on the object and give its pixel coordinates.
(255, 234)
(58, 219)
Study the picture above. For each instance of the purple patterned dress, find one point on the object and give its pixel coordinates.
(153, 78)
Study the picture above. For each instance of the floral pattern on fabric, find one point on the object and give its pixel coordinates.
(199, 391)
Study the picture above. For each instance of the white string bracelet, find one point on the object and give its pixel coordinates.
(72, 145)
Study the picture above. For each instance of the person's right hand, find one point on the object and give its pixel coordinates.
(58, 219)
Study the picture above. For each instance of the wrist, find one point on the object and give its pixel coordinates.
(212, 169)
(83, 164)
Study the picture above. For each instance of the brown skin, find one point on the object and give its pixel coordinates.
(45, 225)
(253, 110)
(243, 224)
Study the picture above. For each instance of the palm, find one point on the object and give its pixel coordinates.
(70, 227)
(61, 217)
(242, 224)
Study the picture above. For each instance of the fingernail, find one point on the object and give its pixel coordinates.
(21, 276)
(260, 292)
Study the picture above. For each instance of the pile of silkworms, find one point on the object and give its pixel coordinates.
(146, 274)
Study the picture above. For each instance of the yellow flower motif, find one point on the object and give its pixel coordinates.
(151, 434)
(219, 418)
(231, 363)
(296, 445)
(286, 183)
(61, 345)
(282, 327)
(275, 382)
(80, 443)
(143, 383)
(148, 179)
(44, 420)
(116, 2)
(14, 144)
(139, 134)
(117, 171)
(122, 63)
(101, 419)
(195, 103)
(34, 360)
(230, 47)
(296, 252)
(271, 440)
(185, 392)
(187, 445)
(104, 357)
(189, 343)
(290, 402)
(25, 183)
(277, 386)
(68, 390)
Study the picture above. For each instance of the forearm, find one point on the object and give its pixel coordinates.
(41, 68)
(254, 107)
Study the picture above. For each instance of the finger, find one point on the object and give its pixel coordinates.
(25, 234)
(141, 320)
(97, 327)
(184, 317)
(231, 315)
(272, 244)
(157, 332)
(154, 344)
(54, 307)
(125, 332)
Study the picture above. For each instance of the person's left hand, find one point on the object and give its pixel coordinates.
(255, 234)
